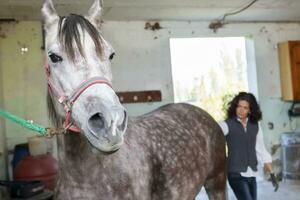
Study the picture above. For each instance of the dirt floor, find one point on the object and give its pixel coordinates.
(288, 190)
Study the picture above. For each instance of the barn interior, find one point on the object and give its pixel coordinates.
(141, 32)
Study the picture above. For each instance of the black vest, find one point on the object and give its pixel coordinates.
(241, 146)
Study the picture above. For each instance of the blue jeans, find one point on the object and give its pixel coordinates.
(244, 188)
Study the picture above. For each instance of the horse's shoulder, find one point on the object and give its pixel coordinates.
(181, 108)
(176, 106)
(171, 110)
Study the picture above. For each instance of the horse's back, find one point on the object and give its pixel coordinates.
(185, 147)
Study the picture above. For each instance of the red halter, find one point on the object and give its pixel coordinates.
(68, 101)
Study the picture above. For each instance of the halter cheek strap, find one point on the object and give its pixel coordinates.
(68, 101)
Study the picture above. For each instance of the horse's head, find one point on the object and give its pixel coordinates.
(79, 77)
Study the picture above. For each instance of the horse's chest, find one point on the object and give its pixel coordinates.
(117, 190)
(121, 182)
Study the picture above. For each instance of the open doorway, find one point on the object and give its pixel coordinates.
(208, 71)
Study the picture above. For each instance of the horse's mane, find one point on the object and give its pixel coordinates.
(70, 38)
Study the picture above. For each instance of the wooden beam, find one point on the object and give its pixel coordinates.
(139, 96)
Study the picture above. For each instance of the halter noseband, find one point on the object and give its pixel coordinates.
(68, 101)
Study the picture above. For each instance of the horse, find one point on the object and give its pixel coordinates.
(167, 154)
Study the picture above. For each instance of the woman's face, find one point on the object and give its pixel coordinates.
(242, 109)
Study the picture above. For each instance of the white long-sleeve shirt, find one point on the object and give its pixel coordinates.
(263, 156)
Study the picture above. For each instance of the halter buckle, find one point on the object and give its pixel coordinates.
(62, 99)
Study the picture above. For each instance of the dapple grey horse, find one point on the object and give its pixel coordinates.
(167, 154)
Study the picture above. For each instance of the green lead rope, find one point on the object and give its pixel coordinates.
(25, 123)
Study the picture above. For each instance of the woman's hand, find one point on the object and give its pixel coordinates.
(268, 167)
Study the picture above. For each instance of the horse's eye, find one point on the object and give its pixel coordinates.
(55, 58)
(111, 56)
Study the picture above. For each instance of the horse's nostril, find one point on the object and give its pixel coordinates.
(96, 123)
(123, 126)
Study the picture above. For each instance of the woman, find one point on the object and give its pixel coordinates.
(245, 146)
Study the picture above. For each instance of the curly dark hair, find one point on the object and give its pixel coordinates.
(255, 113)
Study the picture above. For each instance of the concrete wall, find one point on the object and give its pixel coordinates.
(24, 88)
(3, 148)
(142, 62)
(22, 84)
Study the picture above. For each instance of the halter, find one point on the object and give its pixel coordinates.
(68, 101)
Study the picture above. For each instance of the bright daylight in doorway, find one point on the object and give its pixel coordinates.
(207, 72)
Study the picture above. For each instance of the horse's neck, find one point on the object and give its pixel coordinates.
(70, 141)
(73, 149)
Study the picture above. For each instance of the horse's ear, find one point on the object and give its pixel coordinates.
(95, 13)
(49, 14)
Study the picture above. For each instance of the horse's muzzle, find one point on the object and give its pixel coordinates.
(108, 126)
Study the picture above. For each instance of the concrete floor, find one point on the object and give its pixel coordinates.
(288, 190)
